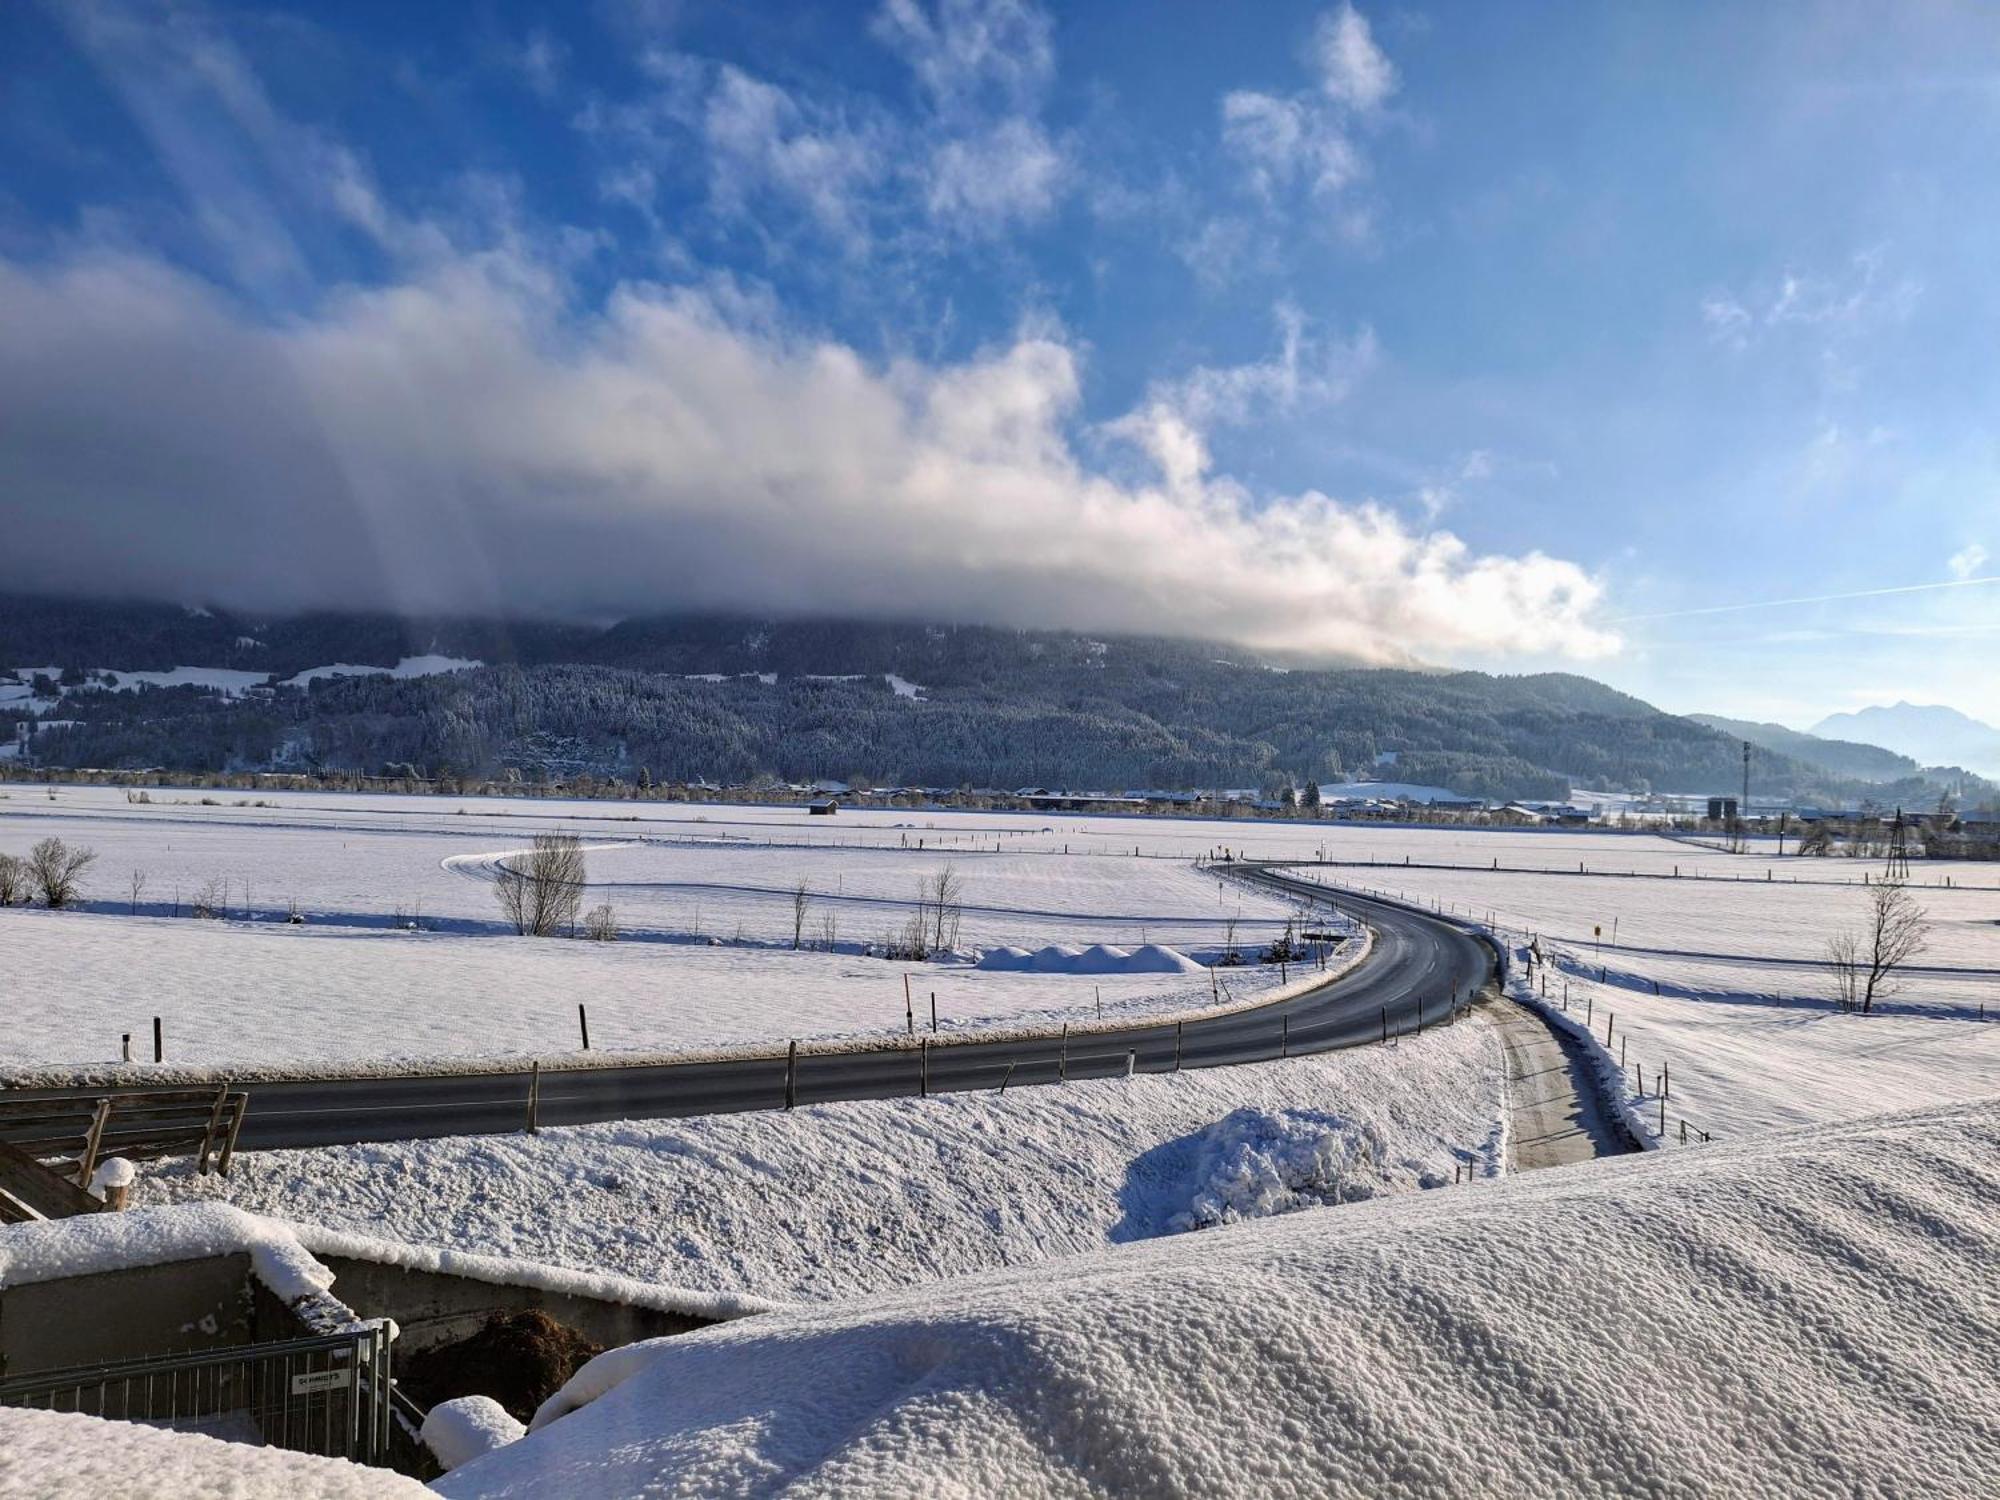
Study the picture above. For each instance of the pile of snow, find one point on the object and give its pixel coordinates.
(1800, 1314)
(855, 1198)
(409, 666)
(459, 1431)
(47, 1454)
(1258, 1162)
(1098, 958)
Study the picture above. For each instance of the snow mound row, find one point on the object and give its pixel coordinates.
(1098, 958)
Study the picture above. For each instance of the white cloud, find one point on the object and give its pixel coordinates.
(1307, 139)
(1830, 307)
(457, 441)
(986, 182)
(541, 60)
(971, 159)
(975, 56)
(1352, 70)
(760, 138)
(983, 68)
(1967, 561)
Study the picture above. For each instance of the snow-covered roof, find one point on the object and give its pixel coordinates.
(1802, 1313)
(55, 1249)
(284, 1257)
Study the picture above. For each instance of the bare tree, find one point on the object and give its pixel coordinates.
(55, 869)
(138, 889)
(1866, 966)
(541, 889)
(829, 931)
(801, 904)
(600, 924)
(944, 895)
(211, 900)
(1843, 967)
(14, 882)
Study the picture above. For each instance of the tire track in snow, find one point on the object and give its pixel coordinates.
(485, 868)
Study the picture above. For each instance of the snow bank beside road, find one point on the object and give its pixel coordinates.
(1802, 1314)
(843, 1199)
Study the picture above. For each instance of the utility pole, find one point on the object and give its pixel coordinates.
(1743, 803)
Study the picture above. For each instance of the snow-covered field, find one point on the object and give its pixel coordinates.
(844, 1199)
(1739, 1061)
(1751, 919)
(268, 994)
(1801, 1314)
(704, 899)
(1743, 1020)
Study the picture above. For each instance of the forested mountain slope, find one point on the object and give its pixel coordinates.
(899, 703)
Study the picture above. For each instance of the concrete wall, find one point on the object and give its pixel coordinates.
(432, 1308)
(185, 1305)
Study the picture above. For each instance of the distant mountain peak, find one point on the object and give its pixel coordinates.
(1934, 733)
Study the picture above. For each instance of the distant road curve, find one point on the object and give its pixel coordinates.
(1417, 967)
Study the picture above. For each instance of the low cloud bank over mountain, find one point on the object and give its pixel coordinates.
(460, 439)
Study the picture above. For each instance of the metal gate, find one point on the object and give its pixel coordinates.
(329, 1394)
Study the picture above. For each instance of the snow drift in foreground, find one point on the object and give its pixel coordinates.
(1808, 1313)
(47, 1454)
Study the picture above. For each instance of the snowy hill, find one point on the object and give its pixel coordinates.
(1808, 1313)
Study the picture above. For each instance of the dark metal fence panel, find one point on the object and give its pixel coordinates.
(330, 1394)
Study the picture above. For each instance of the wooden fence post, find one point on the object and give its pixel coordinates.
(159, 1044)
(88, 1164)
(583, 1025)
(791, 1073)
(214, 1124)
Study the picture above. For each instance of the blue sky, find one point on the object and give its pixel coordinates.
(1517, 336)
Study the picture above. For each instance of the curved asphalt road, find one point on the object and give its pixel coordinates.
(1418, 967)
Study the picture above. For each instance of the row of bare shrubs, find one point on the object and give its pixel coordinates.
(52, 870)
